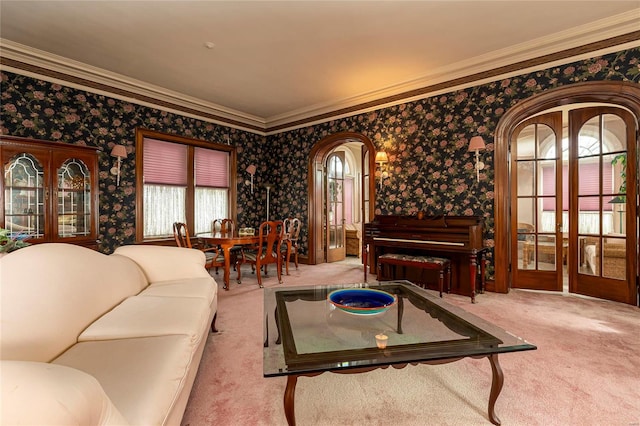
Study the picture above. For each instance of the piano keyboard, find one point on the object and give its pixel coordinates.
(400, 240)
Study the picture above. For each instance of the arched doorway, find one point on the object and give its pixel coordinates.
(617, 94)
(316, 177)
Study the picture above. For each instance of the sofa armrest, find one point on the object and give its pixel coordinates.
(36, 393)
(162, 263)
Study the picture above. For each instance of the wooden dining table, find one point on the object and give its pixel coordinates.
(226, 241)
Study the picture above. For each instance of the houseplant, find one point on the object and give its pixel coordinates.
(12, 241)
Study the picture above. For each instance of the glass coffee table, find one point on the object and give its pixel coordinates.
(306, 335)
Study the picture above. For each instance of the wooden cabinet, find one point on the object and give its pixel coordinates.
(49, 190)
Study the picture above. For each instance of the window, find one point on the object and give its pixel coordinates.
(181, 180)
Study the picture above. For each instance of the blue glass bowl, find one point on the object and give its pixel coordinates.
(362, 301)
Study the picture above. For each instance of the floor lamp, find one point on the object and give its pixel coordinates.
(619, 199)
(268, 186)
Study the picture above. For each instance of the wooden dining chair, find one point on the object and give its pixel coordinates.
(266, 252)
(289, 244)
(224, 226)
(227, 226)
(214, 255)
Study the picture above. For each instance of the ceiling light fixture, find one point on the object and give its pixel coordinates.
(209, 45)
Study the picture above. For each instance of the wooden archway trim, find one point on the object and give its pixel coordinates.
(624, 94)
(314, 178)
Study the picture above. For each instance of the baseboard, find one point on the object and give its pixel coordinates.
(490, 285)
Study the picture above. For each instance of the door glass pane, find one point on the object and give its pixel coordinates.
(617, 173)
(525, 144)
(527, 253)
(525, 178)
(614, 133)
(613, 216)
(614, 255)
(74, 199)
(589, 138)
(546, 252)
(546, 141)
(526, 209)
(588, 215)
(24, 196)
(335, 182)
(546, 215)
(547, 177)
(590, 255)
(589, 176)
(365, 185)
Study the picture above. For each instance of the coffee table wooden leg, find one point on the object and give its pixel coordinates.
(496, 386)
(289, 400)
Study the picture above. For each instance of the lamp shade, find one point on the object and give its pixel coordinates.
(381, 157)
(251, 169)
(119, 151)
(476, 143)
(618, 199)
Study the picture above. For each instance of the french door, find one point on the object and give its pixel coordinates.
(539, 249)
(603, 203)
(334, 207)
(573, 203)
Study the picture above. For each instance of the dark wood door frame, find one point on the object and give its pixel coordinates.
(316, 161)
(623, 94)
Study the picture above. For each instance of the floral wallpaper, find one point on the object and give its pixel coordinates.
(429, 167)
(42, 110)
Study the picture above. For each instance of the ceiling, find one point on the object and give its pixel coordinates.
(274, 63)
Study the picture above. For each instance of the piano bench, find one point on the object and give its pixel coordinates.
(423, 262)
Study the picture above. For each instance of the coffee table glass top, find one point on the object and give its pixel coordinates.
(304, 332)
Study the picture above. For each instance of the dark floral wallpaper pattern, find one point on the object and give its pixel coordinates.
(429, 167)
(49, 111)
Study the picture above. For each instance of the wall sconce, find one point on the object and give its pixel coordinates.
(119, 151)
(381, 158)
(252, 171)
(476, 144)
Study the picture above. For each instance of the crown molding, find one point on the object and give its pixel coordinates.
(50, 67)
(603, 36)
(604, 29)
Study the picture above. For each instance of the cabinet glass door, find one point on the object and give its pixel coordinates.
(74, 199)
(24, 196)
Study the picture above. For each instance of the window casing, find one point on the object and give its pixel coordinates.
(181, 179)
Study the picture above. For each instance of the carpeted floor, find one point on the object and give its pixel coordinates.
(586, 370)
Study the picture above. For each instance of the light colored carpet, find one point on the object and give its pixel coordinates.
(586, 370)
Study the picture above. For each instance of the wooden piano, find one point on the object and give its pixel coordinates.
(458, 238)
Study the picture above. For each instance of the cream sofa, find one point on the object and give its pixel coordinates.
(93, 339)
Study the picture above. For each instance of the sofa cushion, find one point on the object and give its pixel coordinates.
(146, 316)
(160, 263)
(36, 393)
(143, 377)
(50, 293)
(205, 288)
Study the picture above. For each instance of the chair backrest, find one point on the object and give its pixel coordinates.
(291, 229)
(228, 227)
(181, 234)
(286, 228)
(271, 234)
(294, 231)
(224, 226)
